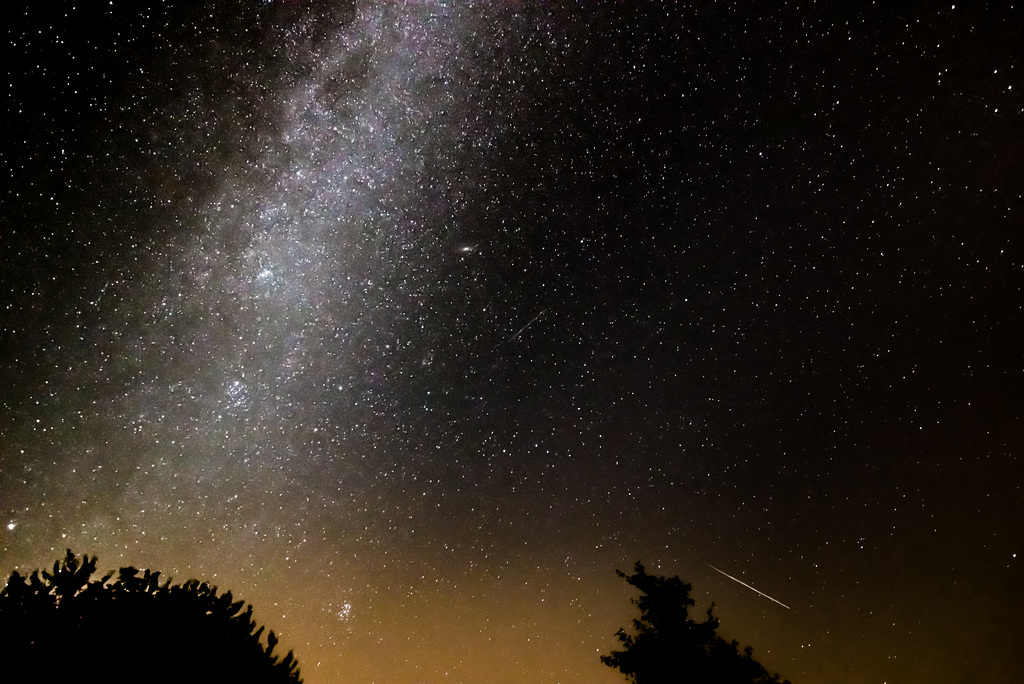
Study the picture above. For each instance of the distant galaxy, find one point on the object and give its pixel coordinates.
(411, 322)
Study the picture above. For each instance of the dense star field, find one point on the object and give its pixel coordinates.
(410, 322)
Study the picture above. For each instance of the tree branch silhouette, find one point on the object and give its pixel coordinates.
(130, 627)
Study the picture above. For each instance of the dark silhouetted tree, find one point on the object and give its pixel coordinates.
(669, 647)
(130, 627)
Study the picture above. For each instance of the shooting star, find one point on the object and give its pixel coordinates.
(749, 587)
(531, 322)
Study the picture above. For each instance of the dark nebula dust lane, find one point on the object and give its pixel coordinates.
(411, 322)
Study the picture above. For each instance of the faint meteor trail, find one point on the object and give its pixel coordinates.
(532, 321)
(749, 587)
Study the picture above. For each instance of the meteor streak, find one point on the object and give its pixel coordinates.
(532, 321)
(749, 587)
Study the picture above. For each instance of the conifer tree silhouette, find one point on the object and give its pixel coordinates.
(670, 648)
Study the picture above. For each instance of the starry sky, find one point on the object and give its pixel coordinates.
(410, 322)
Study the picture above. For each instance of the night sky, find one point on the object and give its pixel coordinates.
(410, 322)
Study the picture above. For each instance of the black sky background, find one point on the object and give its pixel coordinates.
(713, 283)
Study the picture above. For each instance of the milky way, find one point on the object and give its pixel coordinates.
(411, 322)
